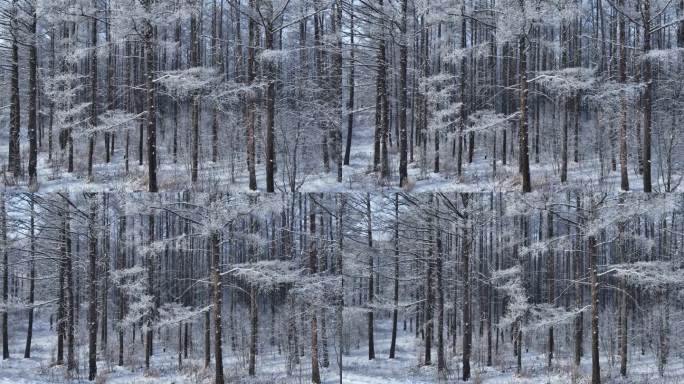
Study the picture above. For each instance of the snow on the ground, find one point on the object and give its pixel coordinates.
(271, 367)
(230, 175)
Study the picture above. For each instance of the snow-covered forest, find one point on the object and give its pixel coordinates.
(352, 288)
(334, 95)
(342, 191)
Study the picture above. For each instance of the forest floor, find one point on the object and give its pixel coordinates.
(271, 366)
(227, 175)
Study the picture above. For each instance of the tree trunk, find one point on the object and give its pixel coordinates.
(129, 80)
(250, 110)
(53, 62)
(380, 145)
(5, 279)
(32, 280)
(313, 270)
(176, 103)
(462, 109)
(441, 362)
(595, 368)
(622, 78)
(217, 57)
(104, 290)
(522, 133)
(336, 127)
(551, 279)
(623, 304)
(680, 28)
(61, 306)
(111, 64)
(350, 84)
(150, 60)
(207, 314)
(395, 311)
(253, 319)
(319, 61)
(647, 96)
(270, 72)
(579, 294)
(467, 325)
(403, 64)
(33, 99)
(196, 109)
(92, 288)
(663, 329)
(121, 264)
(151, 267)
(428, 309)
(217, 304)
(339, 269)
(70, 307)
(565, 100)
(93, 92)
(14, 154)
(371, 271)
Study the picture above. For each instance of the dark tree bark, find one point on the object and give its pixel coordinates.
(129, 80)
(33, 98)
(121, 264)
(196, 108)
(92, 288)
(5, 278)
(467, 325)
(595, 368)
(524, 150)
(111, 65)
(371, 271)
(14, 154)
(491, 298)
(70, 306)
(579, 295)
(506, 99)
(341, 202)
(551, 279)
(680, 28)
(319, 62)
(150, 89)
(32, 279)
(380, 144)
(207, 314)
(565, 100)
(622, 78)
(105, 263)
(441, 362)
(350, 84)
(253, 319)
(395, 311)
(151, 267)
(462, 86)
(336, 127)
(53, 62)
(176, 103)
(217, 58)
(217, 304)
(429, 306)
(647, 96)
(403, 64)
(313, 270)
(250, 110)
(624, 340)
(93, 91)
(61, 304)
(270, 71)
